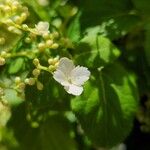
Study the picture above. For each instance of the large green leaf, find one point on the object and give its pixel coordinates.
(94, 11)
(73, 31)
(143, 6)
(113, 22)
(52, 134)
(95, 50)
(52, 97)
(107, 107)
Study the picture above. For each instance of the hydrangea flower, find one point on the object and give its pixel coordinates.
(42, 27)
(71, 77)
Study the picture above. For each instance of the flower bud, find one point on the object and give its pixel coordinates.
(28, 40)
(41, 46)
(36, 72)
(51, 68)
(54, 46)
(21, 86)
(46, 36)
(17, 80)
(30, 81)
(25, 27)
(36, 62)
(39, 86)
(50, 60)
(2, 61)
(49, 43)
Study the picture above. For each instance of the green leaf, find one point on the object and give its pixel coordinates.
(73, 31)
(95, 50)
(107, 107)
(52, 134)
(12, 98)
(143, 6)
(94, 11)
(16, 65)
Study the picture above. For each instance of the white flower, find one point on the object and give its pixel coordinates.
(42, 27)
(71, 77)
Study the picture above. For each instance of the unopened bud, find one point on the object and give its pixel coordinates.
(2, 61)
(55, 34)
(49, 43)
(36, 72)
(39, 86)
(25, 27)
(50, 61)
(28, 40)
(21, 86)
(17, 80)
(36, 62)
(41, 46)
(30, 81)
(51, 68)
(46, 36)
(54, 46)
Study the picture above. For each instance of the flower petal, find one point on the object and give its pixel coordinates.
(74, 90)
(66, 66)
(60, 77)
(42, 27)
(79, 75)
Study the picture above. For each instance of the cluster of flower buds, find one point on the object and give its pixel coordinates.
(36, 72)
(20, 85)
(14, 14)
(42, 28)
(53, 63)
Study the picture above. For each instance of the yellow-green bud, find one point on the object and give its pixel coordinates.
(36, 72)
(3, 54)
(41, 46)
(55, 34)
(30, 81)
(55, 60)
(49, 43)
(54, 46)
(25, 27)
(17, 80)
(50, 61)
(17, 20)
(23, 16)
(51, 68)
(2, 61)
(46, 36)
(56, 64)
(36, 62)
(21, 86)
(39, 86)
(28, 40)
